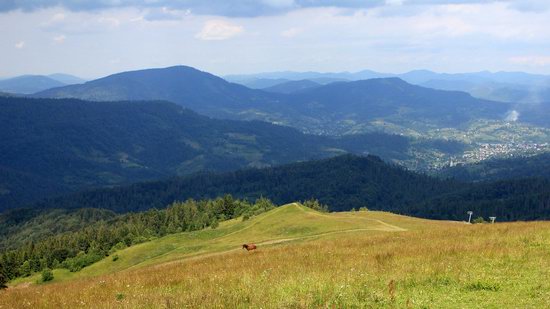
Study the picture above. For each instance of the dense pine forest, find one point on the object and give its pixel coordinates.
(500, 169)
(342, 183)
(508, 200)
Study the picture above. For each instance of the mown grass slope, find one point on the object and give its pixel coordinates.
(311, 259)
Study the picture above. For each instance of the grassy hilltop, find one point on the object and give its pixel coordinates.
(309, 259)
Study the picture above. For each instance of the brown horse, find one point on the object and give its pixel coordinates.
(249, 247)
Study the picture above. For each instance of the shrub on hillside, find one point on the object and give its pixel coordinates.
(259, 207)
(82, 260)
(479, 220)
(47, 275)
(315, 205)
(214, 224)
(119, 246)
(3, 281)
(25, 269)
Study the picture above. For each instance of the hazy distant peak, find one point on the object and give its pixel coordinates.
(67, 78)
(27, 84)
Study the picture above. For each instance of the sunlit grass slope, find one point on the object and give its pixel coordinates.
(311, 259)
(292, 222)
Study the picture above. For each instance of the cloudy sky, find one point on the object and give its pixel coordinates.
(95, 38)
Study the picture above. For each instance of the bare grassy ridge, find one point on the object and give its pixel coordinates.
(432, 265)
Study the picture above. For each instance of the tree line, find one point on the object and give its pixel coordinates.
(78, 249)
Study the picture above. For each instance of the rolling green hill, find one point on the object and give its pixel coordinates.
(311, 259)
(289, 223)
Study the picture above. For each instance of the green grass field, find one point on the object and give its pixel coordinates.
(287, 223)
(311, 259)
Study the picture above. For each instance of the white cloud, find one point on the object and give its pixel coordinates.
(60, 39)
(218, 30)
(20, 44)
(165, 14)
(110, 21)
(58, 17)
(291, 32)
(443, 37)
(76, 23)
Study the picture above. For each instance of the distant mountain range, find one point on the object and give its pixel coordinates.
(514, 87)
(28, 84)
(127, 132)
(337, 108)
(291, 75)
(293, 86)
(353, 105)
(67, 78)
(194, 89)
(413, 77)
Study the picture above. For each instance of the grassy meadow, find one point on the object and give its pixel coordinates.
(310, 259)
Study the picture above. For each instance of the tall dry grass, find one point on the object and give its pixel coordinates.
(461, 266)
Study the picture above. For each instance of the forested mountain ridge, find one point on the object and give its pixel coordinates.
(200, 91)
(292, 86)
(508, 200)
(514, 87)
(342, 183)
(501, 169)
(54, 146)
(395, 101)
(77, 144)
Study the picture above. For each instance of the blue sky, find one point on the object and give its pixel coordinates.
(96, 38)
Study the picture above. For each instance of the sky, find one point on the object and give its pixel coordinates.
(91, 39)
